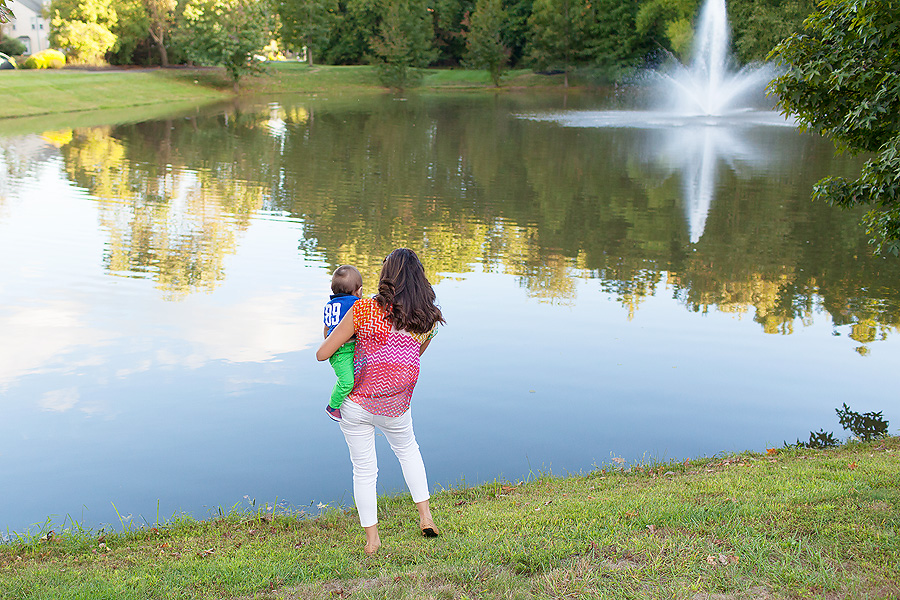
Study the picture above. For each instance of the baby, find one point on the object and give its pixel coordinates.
(346, 287)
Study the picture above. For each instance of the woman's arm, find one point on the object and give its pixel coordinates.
(341, 334)
(423, 347)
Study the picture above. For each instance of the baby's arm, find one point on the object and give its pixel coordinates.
(341, 334)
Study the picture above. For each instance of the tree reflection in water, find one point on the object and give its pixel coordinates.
(474, 187)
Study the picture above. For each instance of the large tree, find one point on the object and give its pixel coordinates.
(558, 34)
(307, 24)
(82, 29)
(229, 33)
(404, 41)
(842, 79)
(161, 17)
(485, 48)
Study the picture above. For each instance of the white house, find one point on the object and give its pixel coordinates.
(29, 26)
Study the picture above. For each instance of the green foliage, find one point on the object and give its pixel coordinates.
(451, 18)
(356, 23)
(6, 15)
(866, 426)
(841, 79)
(759, 25)
(514, 31)
(403, 42)
(558, 33)
(228, 33)
(12, 46)
(485, 47)
(83, 29)
(307, 23)
(614, 39)
(669, 24)
(161, 20)
(131, 30)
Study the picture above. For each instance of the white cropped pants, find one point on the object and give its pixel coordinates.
(358, 426)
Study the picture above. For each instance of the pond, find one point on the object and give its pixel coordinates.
(636, 293)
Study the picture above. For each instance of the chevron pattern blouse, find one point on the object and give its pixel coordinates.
(386, 361)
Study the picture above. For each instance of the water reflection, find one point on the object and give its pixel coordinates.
(161, 285)
(471, 187)
(691, 148)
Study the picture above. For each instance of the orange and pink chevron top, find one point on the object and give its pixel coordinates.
(386, 361)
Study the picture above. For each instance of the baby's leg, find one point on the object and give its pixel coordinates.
(342, 363)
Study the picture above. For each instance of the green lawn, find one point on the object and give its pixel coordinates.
(792, 524)
(47, 92)
(41, 92)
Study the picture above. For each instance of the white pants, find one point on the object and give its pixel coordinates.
(358, 426)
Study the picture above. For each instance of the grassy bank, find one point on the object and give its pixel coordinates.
(796, 524)
(43, 92)
(47, 92)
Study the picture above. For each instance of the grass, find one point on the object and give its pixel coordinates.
(796, 524)
(39, 93)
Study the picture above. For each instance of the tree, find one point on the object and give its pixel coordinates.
(759, 25)
(307, 23)
(669, 23)
(161, 15)
(356, 24)
(842, 79)
(403, 42)
(229, 33)
(6, 15)
(82, 29)
(614, 40)
(130, 31)
(485, 49)
(558, 34)
(515, 28)
(450, 20)
(11, 46)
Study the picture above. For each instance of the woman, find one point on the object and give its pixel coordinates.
(392, 331)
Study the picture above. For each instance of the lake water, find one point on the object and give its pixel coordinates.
(640, 292)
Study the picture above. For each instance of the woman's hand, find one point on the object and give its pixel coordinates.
(341, 335)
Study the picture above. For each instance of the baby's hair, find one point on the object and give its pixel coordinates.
(346, 279)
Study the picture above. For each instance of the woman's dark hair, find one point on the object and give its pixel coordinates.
(406, 295)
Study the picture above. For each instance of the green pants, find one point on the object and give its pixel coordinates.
(342, 363)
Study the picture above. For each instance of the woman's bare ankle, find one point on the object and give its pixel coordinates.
(373, 541)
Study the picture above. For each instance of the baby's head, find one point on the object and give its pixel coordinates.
(346, 279)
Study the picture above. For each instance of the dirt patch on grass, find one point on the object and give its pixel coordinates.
(754, 593)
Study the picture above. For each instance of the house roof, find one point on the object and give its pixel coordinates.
(35, 6)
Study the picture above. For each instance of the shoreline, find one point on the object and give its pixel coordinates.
(74, 90)
(782, 524)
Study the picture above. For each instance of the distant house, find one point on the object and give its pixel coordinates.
(29, 26)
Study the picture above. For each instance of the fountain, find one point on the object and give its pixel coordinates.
(700, 117)
(707, 87)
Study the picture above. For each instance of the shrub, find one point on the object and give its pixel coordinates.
(54, 59)
(11, 46)
(46, 59)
